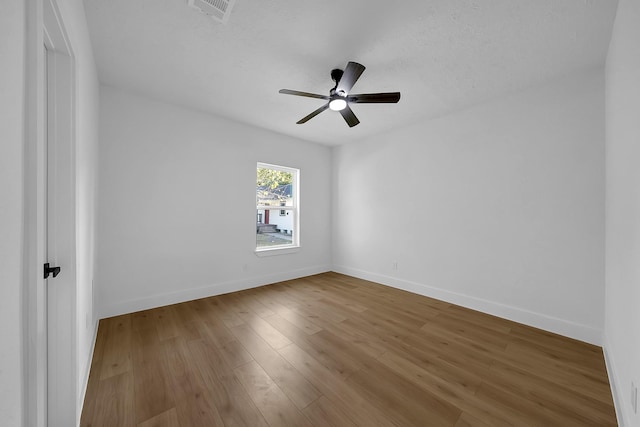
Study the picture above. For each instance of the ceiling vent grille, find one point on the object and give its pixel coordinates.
(217, 9)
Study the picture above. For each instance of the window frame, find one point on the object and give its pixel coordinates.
(294, 210)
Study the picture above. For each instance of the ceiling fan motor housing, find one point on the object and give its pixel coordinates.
(336, 75)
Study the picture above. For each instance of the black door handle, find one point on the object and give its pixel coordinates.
(51, 270)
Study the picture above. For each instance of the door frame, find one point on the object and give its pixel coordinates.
(50, 399)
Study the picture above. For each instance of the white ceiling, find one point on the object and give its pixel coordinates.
(441, 55)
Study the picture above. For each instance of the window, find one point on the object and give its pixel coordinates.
(277, 207)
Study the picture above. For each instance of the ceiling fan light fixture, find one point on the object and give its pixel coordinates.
(337, 104)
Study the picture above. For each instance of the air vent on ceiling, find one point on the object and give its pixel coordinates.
(217, 9)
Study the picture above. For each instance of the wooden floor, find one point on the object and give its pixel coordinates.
(332, 350)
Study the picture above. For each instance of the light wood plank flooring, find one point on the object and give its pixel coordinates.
(332, 350)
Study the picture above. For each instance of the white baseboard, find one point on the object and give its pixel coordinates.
(614, 384)
(552, 324)
(153, 301)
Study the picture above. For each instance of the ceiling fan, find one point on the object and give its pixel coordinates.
(339, 97)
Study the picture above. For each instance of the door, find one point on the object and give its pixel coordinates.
(59, 223)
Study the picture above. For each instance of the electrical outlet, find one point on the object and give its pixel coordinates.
(245, 267)
(394, 265)
(634, 398)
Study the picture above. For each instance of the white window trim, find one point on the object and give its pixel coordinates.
(295, 209)
(278, 250)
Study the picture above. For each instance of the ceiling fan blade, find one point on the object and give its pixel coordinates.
(298, 93)
(349, 77)
(305, 119)
(371, 98)
(349, 117)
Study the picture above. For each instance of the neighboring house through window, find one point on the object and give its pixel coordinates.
(277, 225)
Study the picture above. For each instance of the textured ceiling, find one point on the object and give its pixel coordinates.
(441, 55)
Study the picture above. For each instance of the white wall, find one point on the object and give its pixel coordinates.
(177, 204)
(622, 320)
(12, 32)
(499, 207)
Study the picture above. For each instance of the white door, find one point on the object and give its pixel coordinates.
(59, 223)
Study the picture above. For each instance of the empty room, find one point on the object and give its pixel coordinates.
(295, 213)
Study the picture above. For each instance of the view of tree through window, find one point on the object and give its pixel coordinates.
(276, 206)
(271, 178)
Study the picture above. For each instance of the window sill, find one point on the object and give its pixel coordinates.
(277, 251)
